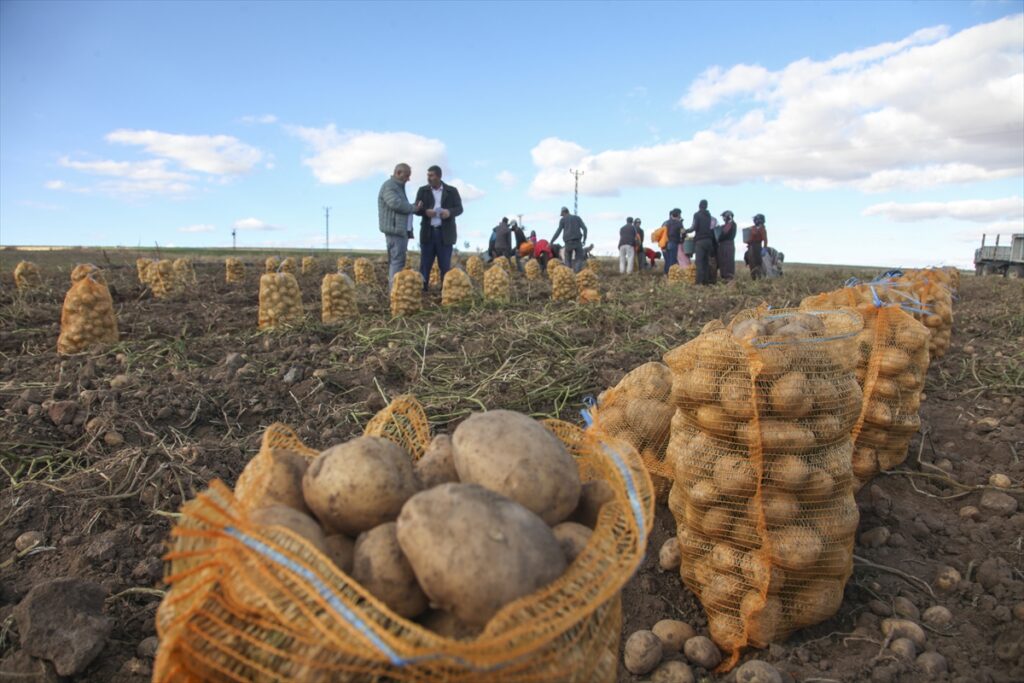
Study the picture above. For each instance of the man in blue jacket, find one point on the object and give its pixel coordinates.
(394, 215)
(438, 204)
(575, 232)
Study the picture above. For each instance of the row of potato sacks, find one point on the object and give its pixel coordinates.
(166, 278)
(933, 290)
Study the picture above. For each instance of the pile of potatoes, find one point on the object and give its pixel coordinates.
(497, 284)
(26, 276)
(763, 492)
(87, 318)
(450, 539)
(586, 279)
(475, 268)
(143, 269)
(532, 270)
(589, 296)
(678, 274)
(937, 299)
(594, 265)
(563, 284)
(344, 264)
(555, 261)
(84, 270)
(164, 280)
(309, 265)
(457, 288)
(280, 301)
(502, 262)
(271, 264)
(638, 409)
(363, 271)
(234, 270)
(407, 292)
(337, 299)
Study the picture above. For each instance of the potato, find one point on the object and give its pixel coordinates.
(828, 428)
(573, 538)
(670, 555)
(611, 419)
(758, 571)
(836, 560)
(842, 520)
(673, 671)
(649, 421)
(878, 413)
(754, 671)
(293, 520)
(698, 386)
(779, 508)
(474, 551)
(341, 549)
(381, 568)
(715, 522)
(818, 487)
(734, 476)
(795, 548)
(816, 601)
(865, 462)
(789, 472)
(721, 590)
(777, 435)
(791, 395)
(448, 625)
(642, 652)
(735, 396)
(726, 630)
(763, 617)
(673, 634)
(437, 465)
(703, 493)
(360, 484)
(724, 558)
(892, 362)
(650, 380)
(904, 628)
(284, 481)
(748, 330)
(537, 472)
(702, 652)
(593, 496)
(885, 388)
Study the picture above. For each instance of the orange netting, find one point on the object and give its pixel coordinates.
(87, 318)
(234, 270)
(260, 603)
(280, 301)
(638, 410)
(763, 492)
(26, 275)
(933, 289)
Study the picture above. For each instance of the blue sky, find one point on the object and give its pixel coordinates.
(872, 133)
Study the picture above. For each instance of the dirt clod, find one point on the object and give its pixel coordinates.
(756, 671)
(998, 503)
(932, 663)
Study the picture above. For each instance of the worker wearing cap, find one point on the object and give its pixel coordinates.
(575, 232)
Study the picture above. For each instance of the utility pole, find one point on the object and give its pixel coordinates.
(234, 241)
(576, 192)
(327, 228)
(520, 216)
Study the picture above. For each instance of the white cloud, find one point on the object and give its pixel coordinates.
(467, 191)
(265, 118)
(344, 157)
(202, 227)
(927, 110)
(214, 154)
(131, 178)
(254, 224)
(975, 210)
(54, 184)
(507, 179)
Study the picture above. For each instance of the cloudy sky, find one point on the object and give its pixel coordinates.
(869, 133)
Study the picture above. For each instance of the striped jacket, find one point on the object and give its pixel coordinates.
(393, 208)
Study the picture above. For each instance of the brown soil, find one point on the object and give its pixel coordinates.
(188, 412)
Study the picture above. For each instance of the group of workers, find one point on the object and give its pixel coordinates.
(707, 245)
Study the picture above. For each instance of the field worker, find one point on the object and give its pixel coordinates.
(574, 230)
(641, 264)
(503, 239)
(394, 213)
(703, 242)
(673, 237)
(627, 247)
(756, 240)
(542, 252)
(727, 247)
(533, 237)
(438, 204)
(652, 256)
(520, 240)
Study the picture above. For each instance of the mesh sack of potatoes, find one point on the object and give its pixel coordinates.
(497, 284)
(185, 272)
(309, 266)
(435, 275)
(337, 299)
(364, 272)
(344, 264)
(586, 279)
(593, 264)
(457, 289)
(234, 270)
(289, 265)
(475, 268)
(639, 410)
(763, 488)
(259, 591)
(503, 262)
(280, 301)
(589, 296)
(164, 280)
(26, 275)
(936, 299)
(532, 270)
(563, 284)
(271, 264)
(87, 318)
(407, 292)
(84, 270)
(143, 269)
(680, 275)
(552, 263)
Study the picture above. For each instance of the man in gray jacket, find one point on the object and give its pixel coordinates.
(394, 212)
(575, 231)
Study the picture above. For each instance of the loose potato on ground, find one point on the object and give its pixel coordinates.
(516, 456)
(293, 520)
(381, 568)
(474, 551)
(437, 465)
(360, 484)
(573, 537)
(702, 652)
(642, 653)
(673, 634)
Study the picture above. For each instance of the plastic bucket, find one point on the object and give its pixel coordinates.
(688, 246)
(746, 234)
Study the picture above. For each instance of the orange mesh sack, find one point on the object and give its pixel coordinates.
(309, 266)
(234, 271)
(280, 301)
(87, 318)
(143, 268)
(475, 268)
(497, 284)
(26, 276)
(164, 280)
(185, 273)
(503, 262)
(684, 276)
(288, 265)
(563, 284)
(586, 278)
(84, 270)
(337, 299)
(933, 291)
(271, 264)
(763, 492)
(638, 410)
(435, 275)
(344, 264)
(363, 270)
(407, 292)
(532, 270)
(249, 602)
(457, 289)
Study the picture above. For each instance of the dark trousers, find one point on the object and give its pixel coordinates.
(727, 260)
(435, 248)
(754, 261)
(669, 252)
(702, 251)
(574, 256)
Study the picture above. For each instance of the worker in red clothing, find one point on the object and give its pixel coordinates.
(651, 255)
(756, 239)
(542, 252)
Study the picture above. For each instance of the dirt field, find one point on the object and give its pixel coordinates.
(98, 452)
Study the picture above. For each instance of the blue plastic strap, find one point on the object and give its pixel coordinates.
(634, 497)
(588, 419)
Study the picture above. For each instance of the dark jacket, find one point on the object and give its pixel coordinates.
(675, 230)
(627, 235)
(701, 226)
(728, 233)
(574, 228)
(450, 200)
(502, 239)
